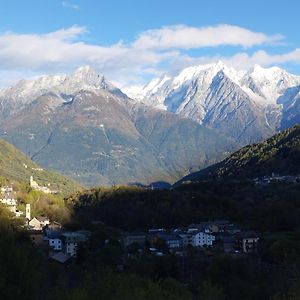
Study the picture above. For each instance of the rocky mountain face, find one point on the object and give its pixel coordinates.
(84, 127)
(247, 106)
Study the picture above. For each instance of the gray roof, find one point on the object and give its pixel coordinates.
(53, 234)
(60, 257)
(246, 234)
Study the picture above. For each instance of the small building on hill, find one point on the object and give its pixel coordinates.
(38, 223)
(247, 242)
(55, 240)
(71, 241)
(6, 189)
(34, 185)
(137, 238)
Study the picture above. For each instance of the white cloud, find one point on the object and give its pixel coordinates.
(63, 50)
(244, 60)
(68, 4)
(241, 60)
(184, 37)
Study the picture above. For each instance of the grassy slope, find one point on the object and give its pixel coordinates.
(12, 167)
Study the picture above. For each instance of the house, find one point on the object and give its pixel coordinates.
(54, 226)
(8, 198)
(138, 238)
(34, 185)
(232, 229)
(218, 226)
(227, 242)
(200, 226)
(55, 240)
(246, 242)
(201, 238)
(66, 242)
(196, 238)
(44, 221)
(35, 224)
(39, 223)
(171, 241)
(18, 213)
(71, 241)
(156, 230)
(6, 189)
(186, 239)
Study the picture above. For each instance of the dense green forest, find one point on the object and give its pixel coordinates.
(272, 210)
(273, 207)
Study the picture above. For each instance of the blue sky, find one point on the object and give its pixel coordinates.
(133, 41)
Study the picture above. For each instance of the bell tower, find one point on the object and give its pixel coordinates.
(28, 212)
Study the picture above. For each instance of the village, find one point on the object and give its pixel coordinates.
(265, 180)
(8, 197)
(62, 245)
(219, 234)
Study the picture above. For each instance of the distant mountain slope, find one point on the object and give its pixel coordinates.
(84, 127)
(248, 106)
(279, 154)
(14, 165)
(98, 138)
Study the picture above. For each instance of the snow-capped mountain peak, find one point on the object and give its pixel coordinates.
(219, 96)
(202, 73)
(207, 72)
(26, 91)
(266, 85)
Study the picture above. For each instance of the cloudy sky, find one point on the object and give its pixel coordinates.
(132, 41)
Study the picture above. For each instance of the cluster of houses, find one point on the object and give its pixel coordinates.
(265, 180)
(45, 189)
(64, 245)
(9, 198)
(61, 245)
(222, 234)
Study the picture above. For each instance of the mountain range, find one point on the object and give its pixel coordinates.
(248, 106)
(83, 126)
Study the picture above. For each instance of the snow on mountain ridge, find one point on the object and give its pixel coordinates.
(248, 105)
(270, 83)
(24, 92)
(84, 78)
(156, 92)
(264, 85)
